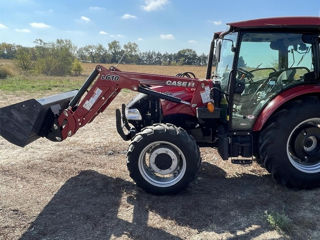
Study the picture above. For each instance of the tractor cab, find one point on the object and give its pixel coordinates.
(256, 60)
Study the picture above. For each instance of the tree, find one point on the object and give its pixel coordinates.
(131, 51)
(76, 67)
(102, 55)
(149, 57)
(54, 58)
(94, 53)
(167, 59)
(24, 59)
(8, 51)
(202, 59)
(114, 49)
(82, 55)
(187, 57)
(64, 52)
(90, 52)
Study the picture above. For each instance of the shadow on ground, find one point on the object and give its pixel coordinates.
(86, 207)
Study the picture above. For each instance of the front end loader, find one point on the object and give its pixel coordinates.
(260, 101)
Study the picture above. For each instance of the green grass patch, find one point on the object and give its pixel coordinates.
(279, 221)
(40, 83)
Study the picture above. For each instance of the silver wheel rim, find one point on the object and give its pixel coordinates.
(154, 174)
(310, 148)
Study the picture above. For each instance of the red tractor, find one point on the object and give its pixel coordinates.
(261, 98)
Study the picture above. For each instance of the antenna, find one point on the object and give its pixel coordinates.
(121, 58)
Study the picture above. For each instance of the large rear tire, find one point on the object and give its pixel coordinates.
(163, 159)
(290, 144)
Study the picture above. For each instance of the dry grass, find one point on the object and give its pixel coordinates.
(164, 70)
(8, 63)
(80, 189)
(26, 82)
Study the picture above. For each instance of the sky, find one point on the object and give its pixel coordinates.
(159, 25)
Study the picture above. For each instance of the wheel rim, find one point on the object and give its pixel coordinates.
(303, 146)
(162, 164)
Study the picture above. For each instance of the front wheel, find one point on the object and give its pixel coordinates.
(290, 144)
(163, 159)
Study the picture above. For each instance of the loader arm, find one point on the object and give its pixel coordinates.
(106, 84)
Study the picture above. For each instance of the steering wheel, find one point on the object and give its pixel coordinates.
(246, 74)
(186, 74)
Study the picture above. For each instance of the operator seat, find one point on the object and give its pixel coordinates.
(286, 75)
(310, 77)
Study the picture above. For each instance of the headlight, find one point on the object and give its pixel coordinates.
(133, 114)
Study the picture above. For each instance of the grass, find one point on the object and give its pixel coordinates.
(39, 83)
(279, 221)
(21, 82)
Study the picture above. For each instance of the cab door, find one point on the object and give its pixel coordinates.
(268, 63)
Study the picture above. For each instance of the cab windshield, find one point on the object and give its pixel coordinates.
(224, 56)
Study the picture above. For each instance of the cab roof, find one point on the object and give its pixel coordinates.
(279, 22)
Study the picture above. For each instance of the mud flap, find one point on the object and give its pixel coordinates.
(24, 122)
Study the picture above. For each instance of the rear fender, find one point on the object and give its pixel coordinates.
(281, 99)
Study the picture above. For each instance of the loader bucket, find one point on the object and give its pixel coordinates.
(24, 122)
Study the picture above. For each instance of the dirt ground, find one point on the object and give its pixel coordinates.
(81, 189)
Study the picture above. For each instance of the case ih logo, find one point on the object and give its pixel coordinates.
(110, 77)
(180, 84)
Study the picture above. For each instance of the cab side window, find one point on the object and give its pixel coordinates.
(268, 63)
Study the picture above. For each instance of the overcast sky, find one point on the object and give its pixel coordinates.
(160, 25)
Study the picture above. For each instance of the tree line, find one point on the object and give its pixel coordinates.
(62, 56)
(130, 54)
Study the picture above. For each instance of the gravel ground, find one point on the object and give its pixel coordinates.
(81, 189)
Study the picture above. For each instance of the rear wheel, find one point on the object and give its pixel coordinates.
(163, 159)
(290, 144)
